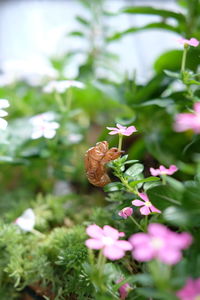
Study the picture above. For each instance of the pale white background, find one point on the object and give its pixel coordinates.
(31, 31)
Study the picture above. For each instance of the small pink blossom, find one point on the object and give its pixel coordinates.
(125, 212)
(192, 42)
(160, 243)
(187, 121)
(191, 291)
(147, 206)
(106, 238)
(163, 171)
(124, 289)
(122, 130)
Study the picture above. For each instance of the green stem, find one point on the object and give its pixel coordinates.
(38, 233)
(183, 63)
(136, 223)
(101, 261)
(146, 223)
(125, 183)
(120, 142)
(164, 177)
(59, 101)
(69, 98)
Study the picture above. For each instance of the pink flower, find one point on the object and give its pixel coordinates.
(106, 238)
(192, 42)
(191, 291)
(186, 121)
(124, 289)
(125, 212)
(147, 206)
(163, 171)
(160, 243)
(122, 130)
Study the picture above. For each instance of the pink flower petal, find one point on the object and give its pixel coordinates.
(169, 255)
(94, 244)
(113, 132)
(112, 128)
(139, 239)
(120, 126)
(154, 172)
(193, 42)
(145, 210)
(137, 202)
(129, 130)
(113, 252)
(121, 234)
(172, 169)
(197, 107)
(95, 231)
(143, 253)
(111, 232)
(158, 230)
(144, 196)
(154, 209)
(124, 245)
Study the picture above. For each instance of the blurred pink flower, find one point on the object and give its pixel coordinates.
(191, 291)
(160, 243)
(186, 121)
(124, 289)
(125, 212)
(106, 238)
(163, 171)
(122, 130)
(192, 42)
(147, 206)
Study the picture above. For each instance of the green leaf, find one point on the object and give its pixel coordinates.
(176, 215)
(76, 33)
(164, 196)
(134, 170)
(172, 74)
(113, 187)
(158, 102)
(83, 21)
(157, 25)
(149, 10)
(134, 183)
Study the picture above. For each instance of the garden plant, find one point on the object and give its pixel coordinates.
(100, 178)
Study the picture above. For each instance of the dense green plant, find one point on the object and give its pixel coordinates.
(47, 175)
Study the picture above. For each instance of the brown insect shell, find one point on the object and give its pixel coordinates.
(95, 160)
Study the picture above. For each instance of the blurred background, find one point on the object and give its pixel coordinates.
(33, 31)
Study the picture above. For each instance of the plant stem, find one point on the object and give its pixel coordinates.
(136, 223)
(69, 98)
(59, 101)
(120, 142)
(146, 223)
(183, 63)
(38, 233)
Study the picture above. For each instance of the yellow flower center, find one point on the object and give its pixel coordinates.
(157, 244)
(148, 203)
(197, 297)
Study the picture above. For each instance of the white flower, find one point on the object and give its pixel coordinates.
(3, 104)
(27, 220)
(62, 85)
(44, 126)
